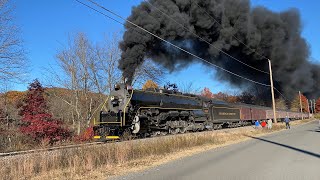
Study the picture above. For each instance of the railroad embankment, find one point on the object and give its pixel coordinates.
(99, 162)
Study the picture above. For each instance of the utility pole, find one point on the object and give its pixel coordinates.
(300, 105)
(311, 106)
(314, 106)
(272, 94)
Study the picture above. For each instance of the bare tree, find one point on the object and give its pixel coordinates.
(189, 88)
(108, 56)
(89, 72)
(281, 104)
(9, 117)
(12, 55)
(148, 71)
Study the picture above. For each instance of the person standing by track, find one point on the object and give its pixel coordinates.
(287, 121)
(263, 124)
(257, 124)
(269, 124)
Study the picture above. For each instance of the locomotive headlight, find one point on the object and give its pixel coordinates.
(114, 100)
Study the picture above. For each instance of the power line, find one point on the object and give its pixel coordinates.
(117, 15)
(267, 85)
(232, 35)
(280, 93)
(210, 44)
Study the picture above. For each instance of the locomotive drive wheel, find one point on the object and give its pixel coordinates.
(155, 133)
(163, 133)
(174, 130)
(183, 130)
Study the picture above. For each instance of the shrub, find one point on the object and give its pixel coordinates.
(36, 121)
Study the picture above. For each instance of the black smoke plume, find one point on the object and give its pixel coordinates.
(263, 33)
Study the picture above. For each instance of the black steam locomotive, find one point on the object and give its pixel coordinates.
(159, 112)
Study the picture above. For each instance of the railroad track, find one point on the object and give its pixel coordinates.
(14, 153)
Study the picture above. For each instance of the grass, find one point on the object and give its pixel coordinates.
(101, 161)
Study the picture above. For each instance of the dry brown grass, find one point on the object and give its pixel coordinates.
(99, 162)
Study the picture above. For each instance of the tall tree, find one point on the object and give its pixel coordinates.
(12, 55)
(86, 69)
(90, 69)
(37, 122)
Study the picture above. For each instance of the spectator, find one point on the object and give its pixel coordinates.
(287, 121)
(263, 124)
(257, 124)
(269, 124)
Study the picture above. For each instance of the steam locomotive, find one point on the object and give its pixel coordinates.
(160, 112)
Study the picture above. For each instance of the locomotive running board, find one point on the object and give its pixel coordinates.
(107, 137)
(112, 137)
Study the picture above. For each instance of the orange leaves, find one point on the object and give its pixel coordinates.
(207, 93)
(150, 85)
(295, 104)
(220, 95)
(13, 97)
(304, 102)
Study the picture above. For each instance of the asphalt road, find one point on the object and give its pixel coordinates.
(290, 154)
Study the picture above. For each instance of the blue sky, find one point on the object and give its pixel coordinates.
(46, 25)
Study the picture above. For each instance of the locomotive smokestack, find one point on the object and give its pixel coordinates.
(264, 34)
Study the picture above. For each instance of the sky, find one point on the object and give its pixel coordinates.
(46, 25)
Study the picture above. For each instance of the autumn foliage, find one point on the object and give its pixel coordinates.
(87, 135)
(304, 102)
(207, 93)
(37, 122)
(318, 105)
(295, 104)
(150, 85)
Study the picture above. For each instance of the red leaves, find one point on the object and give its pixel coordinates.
(87, 135)
(304, 102)
(318, 105)
(37, 123)
(41, 126)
